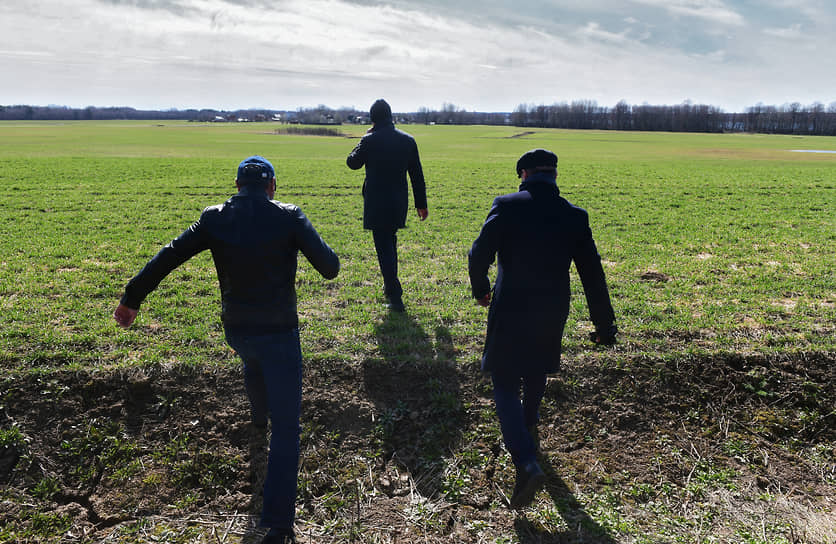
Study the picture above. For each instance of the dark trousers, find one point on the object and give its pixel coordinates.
(273, 379)
(386, 246)
(517, 415)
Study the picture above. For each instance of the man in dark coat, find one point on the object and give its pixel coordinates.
(388, 155)
(254, 242)
(536, 234)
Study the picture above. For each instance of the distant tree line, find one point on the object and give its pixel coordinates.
(794, 118)
(92, 113)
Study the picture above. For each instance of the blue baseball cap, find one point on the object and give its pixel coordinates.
(255, 169)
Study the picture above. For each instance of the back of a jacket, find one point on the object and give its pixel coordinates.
(254, 243)
(388, 155)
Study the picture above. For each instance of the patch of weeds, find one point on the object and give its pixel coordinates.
(166, 404)
(145, 530)
(188, 502)
(472, 458)
(194, 466)
(204, 469)
(738, 449)
(153, 479)
(768, 534)
(477, 526)
(424, 513)
(757, 383)
(13, 448)
(12, 437)
(642, 492)
(387, 423)
(50, 524)
(46, 489)
(133, 529)
(550, 518)
(126, 472)
(333, 503)
(102, 447)
(35, 526)
(606, 515)
(823, 457)
(455, 483)
(707, 476)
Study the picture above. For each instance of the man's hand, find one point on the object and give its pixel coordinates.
(484, 301)
(124, 316)
(423, 213)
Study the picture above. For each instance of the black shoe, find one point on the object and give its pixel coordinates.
(529, 481)
(395, 304)
(279, 536)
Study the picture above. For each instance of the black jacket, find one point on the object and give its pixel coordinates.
(388, 154)
(536, 234)
(254, 243)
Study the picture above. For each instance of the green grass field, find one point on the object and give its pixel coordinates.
(716, 248)
(711, 243)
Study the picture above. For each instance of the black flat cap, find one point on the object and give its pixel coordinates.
(536, 158)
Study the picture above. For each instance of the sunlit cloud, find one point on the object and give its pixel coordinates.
(711, 10)
(298, 53)
(791, 32)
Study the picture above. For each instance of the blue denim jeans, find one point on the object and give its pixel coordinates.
(517, 415)
(273, 379)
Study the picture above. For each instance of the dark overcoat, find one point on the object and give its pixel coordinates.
(388, 155)
(536, 235)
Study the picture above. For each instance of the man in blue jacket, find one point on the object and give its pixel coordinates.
(388, 155)
(254, 242)
(536, 234)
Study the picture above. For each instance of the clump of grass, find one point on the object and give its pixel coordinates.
(311, 131)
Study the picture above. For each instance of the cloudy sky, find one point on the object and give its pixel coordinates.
(482, 55)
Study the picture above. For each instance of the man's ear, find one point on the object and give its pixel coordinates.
(237, 185)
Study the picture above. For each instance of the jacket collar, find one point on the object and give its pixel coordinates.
(539, 180)
(383, 125)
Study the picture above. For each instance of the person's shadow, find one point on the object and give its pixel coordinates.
(580, 525)
(419, 415)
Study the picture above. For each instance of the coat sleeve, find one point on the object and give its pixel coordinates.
(416, 176)
(483, 253)
(191, 242)
(357, 158)
(588, 262)
(318, 253)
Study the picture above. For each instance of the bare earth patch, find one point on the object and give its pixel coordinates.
(410, 452)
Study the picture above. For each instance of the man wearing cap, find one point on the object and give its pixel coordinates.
(388, 155)
(254, 242)
(534, 234)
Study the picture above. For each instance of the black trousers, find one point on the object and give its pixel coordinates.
(386, 245)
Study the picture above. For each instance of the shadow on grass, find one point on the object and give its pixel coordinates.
(580, 525)
(416, 392)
